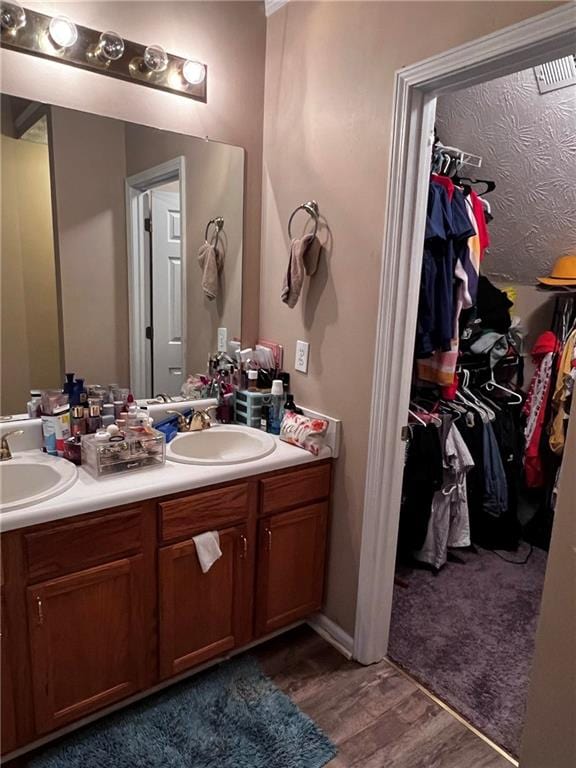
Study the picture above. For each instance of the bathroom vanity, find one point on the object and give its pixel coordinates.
(100, 606)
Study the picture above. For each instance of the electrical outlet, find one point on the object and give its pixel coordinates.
(222, 339)
(302, 353)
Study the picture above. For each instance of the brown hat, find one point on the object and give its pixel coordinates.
(563, 272)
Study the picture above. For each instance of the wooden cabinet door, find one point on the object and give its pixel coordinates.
(9, 740)
(87, 641)
(290, 570)
(203, 615)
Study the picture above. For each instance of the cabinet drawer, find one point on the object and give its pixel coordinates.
(292, 489)
(76, 546)
(203, 511)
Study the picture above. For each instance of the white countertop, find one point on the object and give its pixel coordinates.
(89, 495)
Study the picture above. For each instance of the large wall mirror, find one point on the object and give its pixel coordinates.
(121, 252)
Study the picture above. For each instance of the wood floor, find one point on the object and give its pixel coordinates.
(376, 716)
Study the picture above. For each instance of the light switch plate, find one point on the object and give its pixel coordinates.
(222, 339)
(302, 353)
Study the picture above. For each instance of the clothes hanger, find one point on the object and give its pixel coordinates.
(416, 418)
(492, 384)
(486, 413)
(490, 185)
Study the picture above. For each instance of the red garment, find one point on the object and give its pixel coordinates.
(446, 182)
(535, 408)
(479, 215)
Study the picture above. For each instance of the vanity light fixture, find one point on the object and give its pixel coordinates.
(193, 72)
(63, 32)
(110, 47)
(107, 53)
(155, 59)
(12, 16)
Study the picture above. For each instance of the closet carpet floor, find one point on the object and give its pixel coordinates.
(468, 635)
(376, 716)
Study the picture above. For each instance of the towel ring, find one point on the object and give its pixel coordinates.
(218, 223)
(311, 208)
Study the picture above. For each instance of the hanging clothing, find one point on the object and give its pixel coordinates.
(434, 329)
(423, 475)
(438, 353)
(535, 407)
(562, 391)
(495, 500)
(449, 524)
(478, 207)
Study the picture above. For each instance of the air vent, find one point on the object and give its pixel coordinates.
(556, 74)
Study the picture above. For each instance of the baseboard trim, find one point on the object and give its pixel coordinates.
(332, 633)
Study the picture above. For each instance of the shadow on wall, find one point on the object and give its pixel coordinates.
(320, 289)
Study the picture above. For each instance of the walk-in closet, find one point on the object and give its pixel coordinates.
(494, 370)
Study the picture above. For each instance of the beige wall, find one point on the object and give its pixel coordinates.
(30, 356)
(228, 36)
(549, 739)
(535, 309)
(327, 122)
(214, 187)
(89, 167)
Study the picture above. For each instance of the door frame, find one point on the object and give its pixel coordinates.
(521, 46)
(136, 186)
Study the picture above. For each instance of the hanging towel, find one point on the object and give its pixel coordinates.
(211, 262)
(207, 549)
(294, 277)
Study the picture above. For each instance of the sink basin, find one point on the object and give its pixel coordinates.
(31, 477)
(224, 444)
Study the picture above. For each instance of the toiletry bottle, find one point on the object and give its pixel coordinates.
(276, 406)
(264, 418)
(291, 406)
(94, 419)
(253, 380)
(78, 425)
(107, 414)
(34, 405)
(69, 386)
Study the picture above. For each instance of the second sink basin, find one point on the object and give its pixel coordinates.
(30, 477)
(223, 444)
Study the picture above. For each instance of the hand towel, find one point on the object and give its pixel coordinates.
(211, 261)
(207, 549)
(312, 256)
(294, 276)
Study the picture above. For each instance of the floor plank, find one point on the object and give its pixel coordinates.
(377, 717)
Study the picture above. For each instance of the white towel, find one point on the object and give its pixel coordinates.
(207, 549)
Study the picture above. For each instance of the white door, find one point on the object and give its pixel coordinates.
(167, 351)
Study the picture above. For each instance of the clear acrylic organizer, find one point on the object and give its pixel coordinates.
(135, 451)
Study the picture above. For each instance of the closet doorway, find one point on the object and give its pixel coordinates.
(521, 47)
(489, 396)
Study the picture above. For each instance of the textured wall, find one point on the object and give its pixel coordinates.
(528, 144)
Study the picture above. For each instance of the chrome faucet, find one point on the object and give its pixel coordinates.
(196, 422)
(5, 452)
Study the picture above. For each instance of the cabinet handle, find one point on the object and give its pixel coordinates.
(40, 610)
(268, 539)
(244, 547)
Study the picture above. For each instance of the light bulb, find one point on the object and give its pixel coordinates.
(193, 72)
(12, 16)
(110, 47)
(63, 31)
(155, 58)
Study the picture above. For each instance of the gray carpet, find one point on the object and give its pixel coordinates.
(468, 635)
(231, 716)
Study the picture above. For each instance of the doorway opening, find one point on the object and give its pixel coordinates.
(156, 219)
(526, 45)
